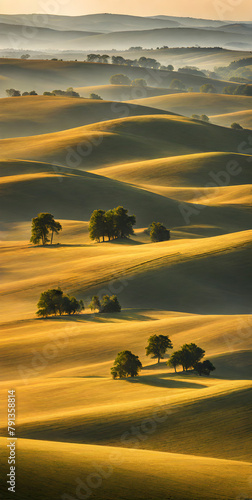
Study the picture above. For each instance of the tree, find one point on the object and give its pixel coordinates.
(189, 355)
(95, 303)
(236, 126)
(124, 223)
(204, 368)
(25, 56)
(157, 346)
(204, 118)
(120, 79)
(53, 302)
(208, 88)
(95, 96)
(177, 84)
(170, 67)
(229, 89)
(97, 225)
(174, 360)
(33, 92)
(110, 304)
(13, 93)
(158, 232)
(41, 225)
(111, 225)
(126, 364)
(139, 82)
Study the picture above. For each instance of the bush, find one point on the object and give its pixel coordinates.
(139, 82)
(95, 96)
(120, 79)
(236, 126)
(158, 232)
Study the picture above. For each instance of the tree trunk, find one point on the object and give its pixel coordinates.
(175, 369)
(52, 238)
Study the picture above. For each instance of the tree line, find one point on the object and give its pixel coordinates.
(188, 357)
(54, 302)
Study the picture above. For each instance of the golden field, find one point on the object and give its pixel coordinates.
(161, 435)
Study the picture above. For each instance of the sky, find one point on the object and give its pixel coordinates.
(212, 9)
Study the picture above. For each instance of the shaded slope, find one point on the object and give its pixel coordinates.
(126, 139)
(199, 103)
(41, 114)
(163, 476)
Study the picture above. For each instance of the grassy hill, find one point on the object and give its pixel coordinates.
(125, 140)
(123, 92)
(163, 476)
(244, 118)
(46, 75)
(32, 115)
(199, 103)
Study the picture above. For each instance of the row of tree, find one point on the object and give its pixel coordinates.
(115, 223)
(142, 62)
(189, 356)
(54, 302)
(70, 92)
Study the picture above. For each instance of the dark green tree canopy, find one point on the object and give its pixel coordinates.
(115, 223)
(188, 356)
(208, 88)
(53, 302)
(110, 304)
(126, 365)
(120, 79)
(204, 368)
(158, 232)
(95, 303)
(157, 346)
(41, 226)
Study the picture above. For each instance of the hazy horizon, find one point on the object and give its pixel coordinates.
(216, 9)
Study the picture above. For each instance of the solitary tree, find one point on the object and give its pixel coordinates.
(126, 365)
(208, 88)
(97, 225)
(177, 84)
(13, 93)
(120, 79)
(41, 225)
(158, 232)
(174, 361)
(204, 368)
(157, 346)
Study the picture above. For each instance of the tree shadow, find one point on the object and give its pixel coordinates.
(126, 315)
(166, 381)
(125, 241)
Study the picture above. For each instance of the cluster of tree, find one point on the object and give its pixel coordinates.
(115, 223)
(42, 225)
(106, 305)
(17, 93)
(53, 302)
(203, 118)
(70, 92)
(25, 56)
(121, 79)
(189, 357)
(98, 58)
(191, 70)
(95, 96)
(240, 90)
(142, 62)
(208, 88)
(158, 232)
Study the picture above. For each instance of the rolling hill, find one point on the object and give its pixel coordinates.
(198, 103)
(30, 115)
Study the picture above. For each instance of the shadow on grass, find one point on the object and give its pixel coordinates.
(125, 241)
(165, 380)
(126, 315)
